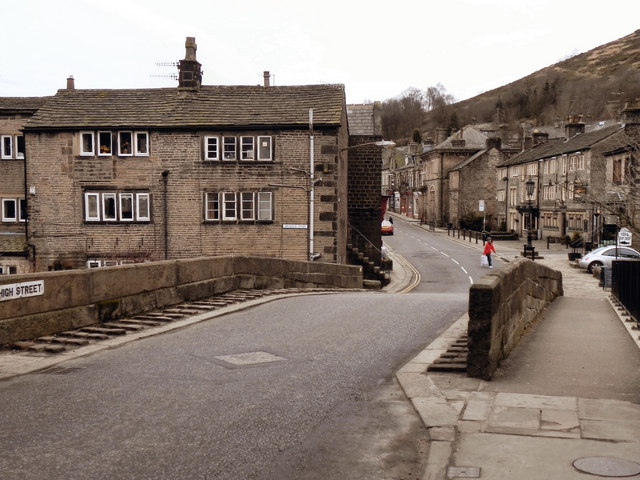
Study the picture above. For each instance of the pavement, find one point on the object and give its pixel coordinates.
(564, 405)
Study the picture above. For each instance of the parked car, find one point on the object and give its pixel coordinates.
(605, 255)
(386, 228)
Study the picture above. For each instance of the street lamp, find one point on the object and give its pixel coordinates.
(379, 143)
(529, 185)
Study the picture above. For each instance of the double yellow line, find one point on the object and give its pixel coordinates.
(415, 278)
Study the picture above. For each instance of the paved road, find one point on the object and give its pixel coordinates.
(445, 266)
(299, 388)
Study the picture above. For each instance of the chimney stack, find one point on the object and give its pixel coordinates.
(541, 137)
(267, 78)
(631, 118)
(574, 126)
(190, 73)
(492, 142)
(71, 84)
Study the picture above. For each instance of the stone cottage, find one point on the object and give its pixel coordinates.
(134, 175)
(14, 112)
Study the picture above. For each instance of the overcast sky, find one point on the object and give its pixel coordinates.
(377, 49)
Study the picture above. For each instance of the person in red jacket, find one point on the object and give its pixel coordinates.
(488, 248)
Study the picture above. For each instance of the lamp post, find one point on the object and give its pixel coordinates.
(529, 185)
(530, 212)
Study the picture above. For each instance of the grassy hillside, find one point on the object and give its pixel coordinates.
(593, 84)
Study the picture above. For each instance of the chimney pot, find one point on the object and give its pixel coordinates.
(267, 78)
(71, 84)
(190, 73)
(191, 48)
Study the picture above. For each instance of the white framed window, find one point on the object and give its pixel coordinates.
(229, 206)
(243, 206)
(94, 263)
(9, 210)
(22, 210)
(20, 149)
(143, 207)
(247, 148)
(86, 143)
(105, 143)
(229, 148)
(141, 143)
(247, 206)
(125, 141)
(211, 148)
(6, 147)
(264, 149)
(92, 207)
(109, 207)
(265, 206)
(211, 206)
(126, 207)
(120, 207)
(513, 196)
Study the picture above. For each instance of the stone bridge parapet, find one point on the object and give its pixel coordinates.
(37, 304)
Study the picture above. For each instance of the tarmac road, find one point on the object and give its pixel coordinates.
(300, 387)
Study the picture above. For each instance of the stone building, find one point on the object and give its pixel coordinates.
(568, 178)
(471, 151)
(14, 112)
(472, 187)
(121, 176)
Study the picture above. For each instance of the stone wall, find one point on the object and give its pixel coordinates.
(502, 305)
(63, 238)
(365, 187)
(77, 298)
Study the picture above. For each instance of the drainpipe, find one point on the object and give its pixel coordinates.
(165, 177)
(311, 186)
(441, 189)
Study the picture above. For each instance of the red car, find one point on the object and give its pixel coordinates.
(386, 228)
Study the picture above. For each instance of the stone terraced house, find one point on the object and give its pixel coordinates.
(14, 112)
(134, 175)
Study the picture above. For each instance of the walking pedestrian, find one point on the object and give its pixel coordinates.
(488, 248)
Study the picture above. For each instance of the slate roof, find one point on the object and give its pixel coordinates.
(556, 147)
(209, 106)
(361, 119)
(21, 104)
(13, 244)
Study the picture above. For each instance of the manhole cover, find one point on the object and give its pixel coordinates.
(607, 466)
(250, 358)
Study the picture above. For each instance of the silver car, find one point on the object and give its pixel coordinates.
(605, 255)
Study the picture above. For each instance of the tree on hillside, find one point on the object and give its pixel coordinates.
(401, 115)
(437, 99)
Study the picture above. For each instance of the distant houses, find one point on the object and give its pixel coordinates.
(582, 183)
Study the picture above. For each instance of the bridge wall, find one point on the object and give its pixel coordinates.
(69, 299)
(502, 305)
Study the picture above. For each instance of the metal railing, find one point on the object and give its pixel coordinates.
(625, 283)
(464, 233)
